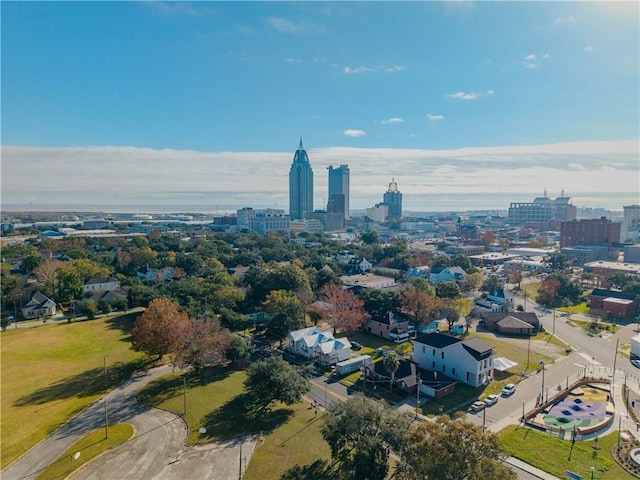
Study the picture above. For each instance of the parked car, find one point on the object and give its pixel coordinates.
(491, 400)
(508, 390)
(477, 406)
(356, 346)
(635, 363)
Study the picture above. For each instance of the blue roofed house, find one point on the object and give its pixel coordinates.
(313, 344)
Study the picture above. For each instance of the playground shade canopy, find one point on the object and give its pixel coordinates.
(502, 364)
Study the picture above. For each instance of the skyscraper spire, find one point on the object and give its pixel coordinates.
(300, 147)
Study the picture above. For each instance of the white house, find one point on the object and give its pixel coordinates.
(359, 265)
(101, 284)
(39, 306)
(313, 344)
(417, 272)
(448, 274)
(155, 275)
(469, 361)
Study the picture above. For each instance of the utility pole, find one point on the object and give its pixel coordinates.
(184, 394)
(240, 469)
(554, 322)
(106, 385)
(484, 417)
(615, 358)
(417, 394)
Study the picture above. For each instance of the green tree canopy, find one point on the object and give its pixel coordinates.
(452, 449)
(361, 434)
(275, 379)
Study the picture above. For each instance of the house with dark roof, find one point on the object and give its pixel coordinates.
(409, 375)
(390, 326)
(514, 323)
(447, 274)
(39, 306)
(469, 361)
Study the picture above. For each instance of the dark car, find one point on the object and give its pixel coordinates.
(355, 346)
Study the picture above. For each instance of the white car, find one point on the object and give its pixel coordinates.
(491, 400)
(477, 406)
(508, 390)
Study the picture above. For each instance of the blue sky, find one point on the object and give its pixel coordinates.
(425, 92)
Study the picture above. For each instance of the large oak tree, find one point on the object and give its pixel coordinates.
(158, 330)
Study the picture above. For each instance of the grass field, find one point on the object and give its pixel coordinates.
(85, 449)
(51, 372)
(556, 456)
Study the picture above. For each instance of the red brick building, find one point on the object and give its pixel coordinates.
(596, 231)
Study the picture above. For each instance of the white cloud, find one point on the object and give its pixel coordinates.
(354, 133)
(565, 20)
(490, 92)
(179, 8)
(463, 95)
(601, 173)
(534, 61)
(348, 70)
(588, 48)
(364, 69)
(292, 60)
(392, 120)
(434, 118)
(285, 25)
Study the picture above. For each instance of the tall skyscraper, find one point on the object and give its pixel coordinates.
(393, 199)
(300, 185)
(339, 190)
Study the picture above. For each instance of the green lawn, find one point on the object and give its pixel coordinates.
(85, 449)
(556, 456)
(51, 372)
(296, 442)
(597, 327)
(580, 308)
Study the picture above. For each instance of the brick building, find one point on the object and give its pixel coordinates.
(596, 231)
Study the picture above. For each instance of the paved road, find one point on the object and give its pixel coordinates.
(156, 451)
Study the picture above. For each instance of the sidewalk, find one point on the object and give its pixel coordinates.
(530, 469)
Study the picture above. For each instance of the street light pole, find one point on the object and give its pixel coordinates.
(542, 390)
(615, 358)
(417, 394)
(184, 394)
(106, 416)
(484, 416)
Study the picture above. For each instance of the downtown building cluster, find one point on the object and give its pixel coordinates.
(302, 215)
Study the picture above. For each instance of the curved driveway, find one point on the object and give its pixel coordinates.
(156, 451)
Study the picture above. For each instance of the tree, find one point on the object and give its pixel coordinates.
(239, 348)
(344, 311)
(474, 280)
(391, 364)
(285, 314)
(361, 434)
(275, 379)
(157, 331)
(378, 303)
(491, 285)
(201, 343)
(370, 237)
(463, 262)
(453, 315)
(452, 449)
(416, 303)
(104, 306)
(422, 284)
(69, 285)
(442, 261)
(448, 289)
(121, 304)
(4, 323)
(88, 308)
(556, 261)
(487, 238)
(46, 274)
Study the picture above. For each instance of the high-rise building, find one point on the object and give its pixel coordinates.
(630, 223)
(338, 190)
(542, 209)
(300, 185)
(594, 231)
(393, 200)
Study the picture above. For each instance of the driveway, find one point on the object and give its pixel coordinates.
(157, 449)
